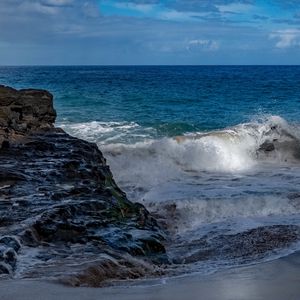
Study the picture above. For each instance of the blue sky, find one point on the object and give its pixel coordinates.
(117, 32)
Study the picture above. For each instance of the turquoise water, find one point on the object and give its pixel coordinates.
(172, 100)
(189, 138)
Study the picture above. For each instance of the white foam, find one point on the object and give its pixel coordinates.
(210, 176)
(229, 150)
(234, 150)
(219, 181)
(107, 132)
(192, 213)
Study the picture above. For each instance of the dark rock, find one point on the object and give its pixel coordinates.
(4, 268)
(9, 246)
(59, 196)
(5, 144)
(287, 145)
(267, 147)
(26, 110)
(11, 242)
(250, 245)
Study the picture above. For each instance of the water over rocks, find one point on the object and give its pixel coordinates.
(61, 213)
(62, 216)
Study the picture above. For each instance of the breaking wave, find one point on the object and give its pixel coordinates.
(236, 182)
(108, 132)
(213, 176)
(237, 149)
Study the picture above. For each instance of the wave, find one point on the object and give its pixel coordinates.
(108, 132)
(241, 213)
(140, 160)
(212, 190)
(229, 150)
(190, 170)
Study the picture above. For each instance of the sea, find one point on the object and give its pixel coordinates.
(212, 151)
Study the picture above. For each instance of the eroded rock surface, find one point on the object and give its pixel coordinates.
(61, 213)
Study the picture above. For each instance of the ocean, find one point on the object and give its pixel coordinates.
(212, 151)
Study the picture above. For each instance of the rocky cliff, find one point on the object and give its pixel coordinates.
(61, 213)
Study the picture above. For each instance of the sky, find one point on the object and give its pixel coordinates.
(149, 32)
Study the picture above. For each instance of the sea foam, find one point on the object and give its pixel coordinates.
(226, 181)
(234, 150)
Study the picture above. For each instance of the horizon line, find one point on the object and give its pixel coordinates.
(150, 65)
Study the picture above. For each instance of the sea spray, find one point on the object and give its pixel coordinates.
(184, 142)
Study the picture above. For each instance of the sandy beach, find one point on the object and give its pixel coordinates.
(276, 280)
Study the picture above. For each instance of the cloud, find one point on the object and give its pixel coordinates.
(29, 7)
(151, 2)
(183, 10)
(205, 45)
(57, 2)
(37, 7)
(148, 32)
(68, 7)
(140, 7)
(286, 38)
(174, 15)
(286, 4)
(204, 5)
(260, 17)
(235, 7)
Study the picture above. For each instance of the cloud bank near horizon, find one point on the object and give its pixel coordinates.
(149, 32)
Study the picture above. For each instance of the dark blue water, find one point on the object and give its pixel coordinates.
(173, 100)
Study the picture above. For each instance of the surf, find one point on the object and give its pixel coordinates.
(234, 149)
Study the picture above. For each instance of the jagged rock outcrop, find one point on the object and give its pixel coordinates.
(24, 111)
(60, 206)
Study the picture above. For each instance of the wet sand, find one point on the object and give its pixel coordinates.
(276, 280)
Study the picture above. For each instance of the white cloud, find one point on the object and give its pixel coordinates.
(286, 38)
(206, 45)
(90, 9)
(174, 15)
(143, 8)
(30, 6)
(58, 2)
(235, 8)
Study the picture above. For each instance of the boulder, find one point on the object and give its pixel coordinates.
(26, 110)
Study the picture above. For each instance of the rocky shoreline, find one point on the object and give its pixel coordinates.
(64, 218)
(62, 215)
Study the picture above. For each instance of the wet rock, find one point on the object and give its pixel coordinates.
(11, 242)
(5, 145)
(26, 109)
(9, 246)
(100, 272)
(58, 196)
(288, 146)
(267, 147)
(5, 269)
(249, 245)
